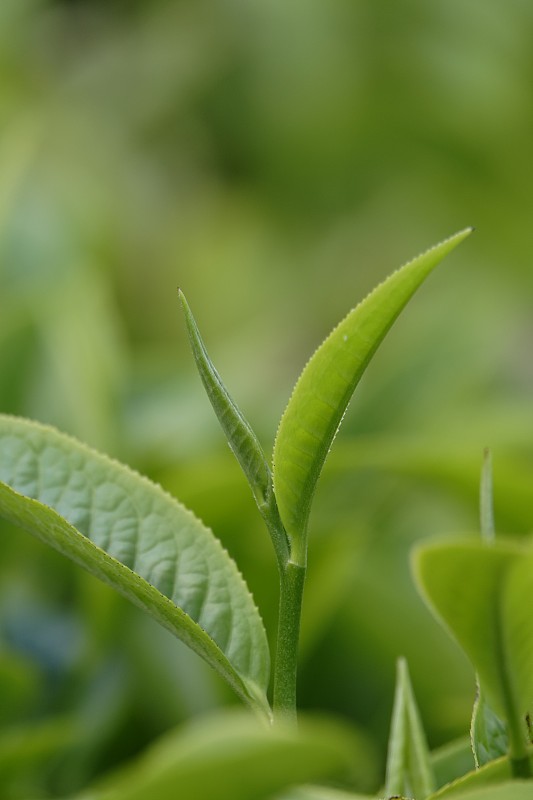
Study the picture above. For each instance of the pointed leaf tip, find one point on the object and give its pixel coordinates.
(325, 387)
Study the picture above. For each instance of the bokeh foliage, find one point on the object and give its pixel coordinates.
(276, 160)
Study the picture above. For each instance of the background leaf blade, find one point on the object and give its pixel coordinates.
(478, 591)
(409, 769)
(128, 532)
(232, 757)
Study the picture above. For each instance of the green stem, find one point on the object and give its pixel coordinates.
(292, 579)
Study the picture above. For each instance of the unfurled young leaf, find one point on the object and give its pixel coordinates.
(240, 436)
(239, 433)
(325, 387)
(409, 770)
(128, 532)
(482, 592)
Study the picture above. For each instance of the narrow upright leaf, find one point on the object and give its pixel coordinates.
(409, 770)
(240, 436)
(239, 433)
(131, 534)
(325, 387)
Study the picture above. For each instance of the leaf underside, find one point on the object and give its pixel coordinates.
(482, 593)
(325, 387)
(128, 532)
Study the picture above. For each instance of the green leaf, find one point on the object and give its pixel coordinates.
(241, 437)
(452, 760)
(494, 776)
(486, 502)
(325, 387)
(409, 769)
(321, 793)
(510, 790)
(233, 757)
(482, 593)
(487, 732)
(131, 534)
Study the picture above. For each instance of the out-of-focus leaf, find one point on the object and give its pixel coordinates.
(492, 775)
(409, 769)
(487, 732)
(20, 684)
(26, 751)
(482, 593)
(128, 532)
(452, 760)
(233, 757)
(511, 790)
(320, 793)
(325, 387)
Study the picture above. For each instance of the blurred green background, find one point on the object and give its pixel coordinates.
(275, 160)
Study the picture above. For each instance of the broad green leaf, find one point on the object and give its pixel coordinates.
(325, 387)
(409, 768)
(482, 593)
(131, 534)
(487, 732)
(240, 436)
(233, 757)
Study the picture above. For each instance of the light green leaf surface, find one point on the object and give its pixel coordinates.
(131, 534)
(409, 769)
(325, 387)
(233, 757)
(482, 593)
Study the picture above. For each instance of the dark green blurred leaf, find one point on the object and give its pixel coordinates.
(233, 757)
